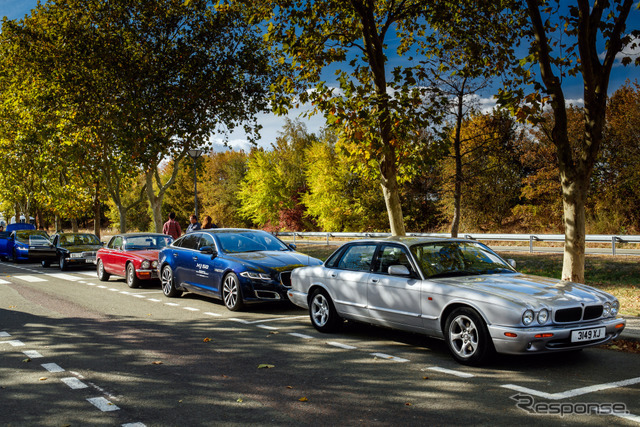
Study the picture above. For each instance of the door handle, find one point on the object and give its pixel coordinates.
(195, 258)
(175, 255)
(374, 280)
(334, 275)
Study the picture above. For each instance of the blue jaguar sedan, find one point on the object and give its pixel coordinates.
(237, 266)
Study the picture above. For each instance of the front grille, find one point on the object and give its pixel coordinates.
(566, 315)
(285, 279)
(575, 314)
(592, 312)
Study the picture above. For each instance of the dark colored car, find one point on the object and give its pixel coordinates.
(73, 249)
(235, 265)
(133, 256)
(22, 242)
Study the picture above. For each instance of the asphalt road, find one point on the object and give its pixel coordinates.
(76, 351)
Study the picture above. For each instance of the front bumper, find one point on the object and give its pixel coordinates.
(530, 340)
(147, 274)
(298, 298)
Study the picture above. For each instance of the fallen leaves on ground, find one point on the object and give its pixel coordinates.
(42, 378)
(26, 360)
(266, 366)
(303, 399)
(627, 346)
(157, 362)
(206, 339)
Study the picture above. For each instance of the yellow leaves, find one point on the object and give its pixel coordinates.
(27, 360)
(157, 362)
(206, 340)
(303, 399)
(266, 366)
(239, 400)
(42, 379)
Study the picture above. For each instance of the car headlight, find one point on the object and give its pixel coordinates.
(154, 264)
(146, 264)
(543, 316)
(606, 309)
(255, 276)
(615, 306)
(527, 317)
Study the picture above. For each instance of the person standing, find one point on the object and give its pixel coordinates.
(172, 227)
(208, 223)
(195, 225)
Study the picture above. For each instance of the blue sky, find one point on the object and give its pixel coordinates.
(17, 9)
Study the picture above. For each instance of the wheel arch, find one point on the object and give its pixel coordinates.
(456, 305)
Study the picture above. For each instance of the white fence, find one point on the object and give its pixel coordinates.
(531, 238)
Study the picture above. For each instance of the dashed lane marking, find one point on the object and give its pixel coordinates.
(52, 367)
(32, 354)
(4, 282)
(64, 276)
(269, 328)
(154, 300)
(572, 393)
(74, 383)
(172, 304)
(191, 309)
(208, 313)
(14, 343)
(30, 279)
(4, 334)
(103, 404)
(235, 319)
(389, 357)
(306, 337)
(451, 372)
(341, 345)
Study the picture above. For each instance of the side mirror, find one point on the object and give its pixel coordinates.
(399, 270)
(512, 263)
(292, 246)
(209, 250)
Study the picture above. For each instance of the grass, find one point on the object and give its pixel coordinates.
(618, 275)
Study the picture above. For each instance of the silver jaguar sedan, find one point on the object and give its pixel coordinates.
(458, 290)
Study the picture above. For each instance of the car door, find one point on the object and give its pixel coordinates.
(111, 254)
(204, 275)
(348, 280)
(185, 258)
(394, 300)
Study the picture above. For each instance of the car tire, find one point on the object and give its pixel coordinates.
(14, 255)
(131, 278)
(63, 263)
(231, 294)
(467, 337)
(45, 264)
(322, 312)
(167, 282)
(103, 276)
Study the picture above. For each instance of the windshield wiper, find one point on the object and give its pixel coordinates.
(453, 274)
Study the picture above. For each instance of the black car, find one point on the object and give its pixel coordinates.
(73, 249)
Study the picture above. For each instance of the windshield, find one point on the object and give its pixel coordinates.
(32, 237)
(134, 243)
(78, 239)
(441, 259)
(250, 241)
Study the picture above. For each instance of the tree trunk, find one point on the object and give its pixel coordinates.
(122, 212)
(96, 212)
(156, 200)
(74, 225)
(389, 183)
(58, 224)
(574, 194)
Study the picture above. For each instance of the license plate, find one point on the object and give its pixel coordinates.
(587, 334)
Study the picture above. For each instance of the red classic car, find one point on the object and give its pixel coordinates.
(133, 256)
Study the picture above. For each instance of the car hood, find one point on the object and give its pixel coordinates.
(527, 290)
(144, 254)
(82, 248)
(274, 260)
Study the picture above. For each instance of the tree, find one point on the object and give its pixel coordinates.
(566, 43)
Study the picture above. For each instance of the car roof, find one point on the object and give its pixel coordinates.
(410, 240)
(141, 234)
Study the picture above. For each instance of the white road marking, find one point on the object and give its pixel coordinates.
(306, 337)
(270, 328)
(154, 300)
(192, 309)
(74, 383)
(88, 273)
(30, 279)
(208, 313)
(137, 296)
(102, 286)
(14, 343)
(103, 404)
(172, 304)
(235, 319)
(4, 282)
(133, 425)
(451, 372)
(278, 319)
(64, 276)
(90, 284)
(32, 354)
(389, 357)
(52, 367)
(630, 417)
(575, 392)
(340, 345)
(114, 289)
(4, 334)
(125, 292)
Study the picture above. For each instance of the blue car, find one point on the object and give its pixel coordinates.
(21, 242)
(235, 265)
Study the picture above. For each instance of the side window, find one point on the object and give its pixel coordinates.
(115, 243)
(206, 240)
(357, 257)
(191, 241)
(391, 255)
